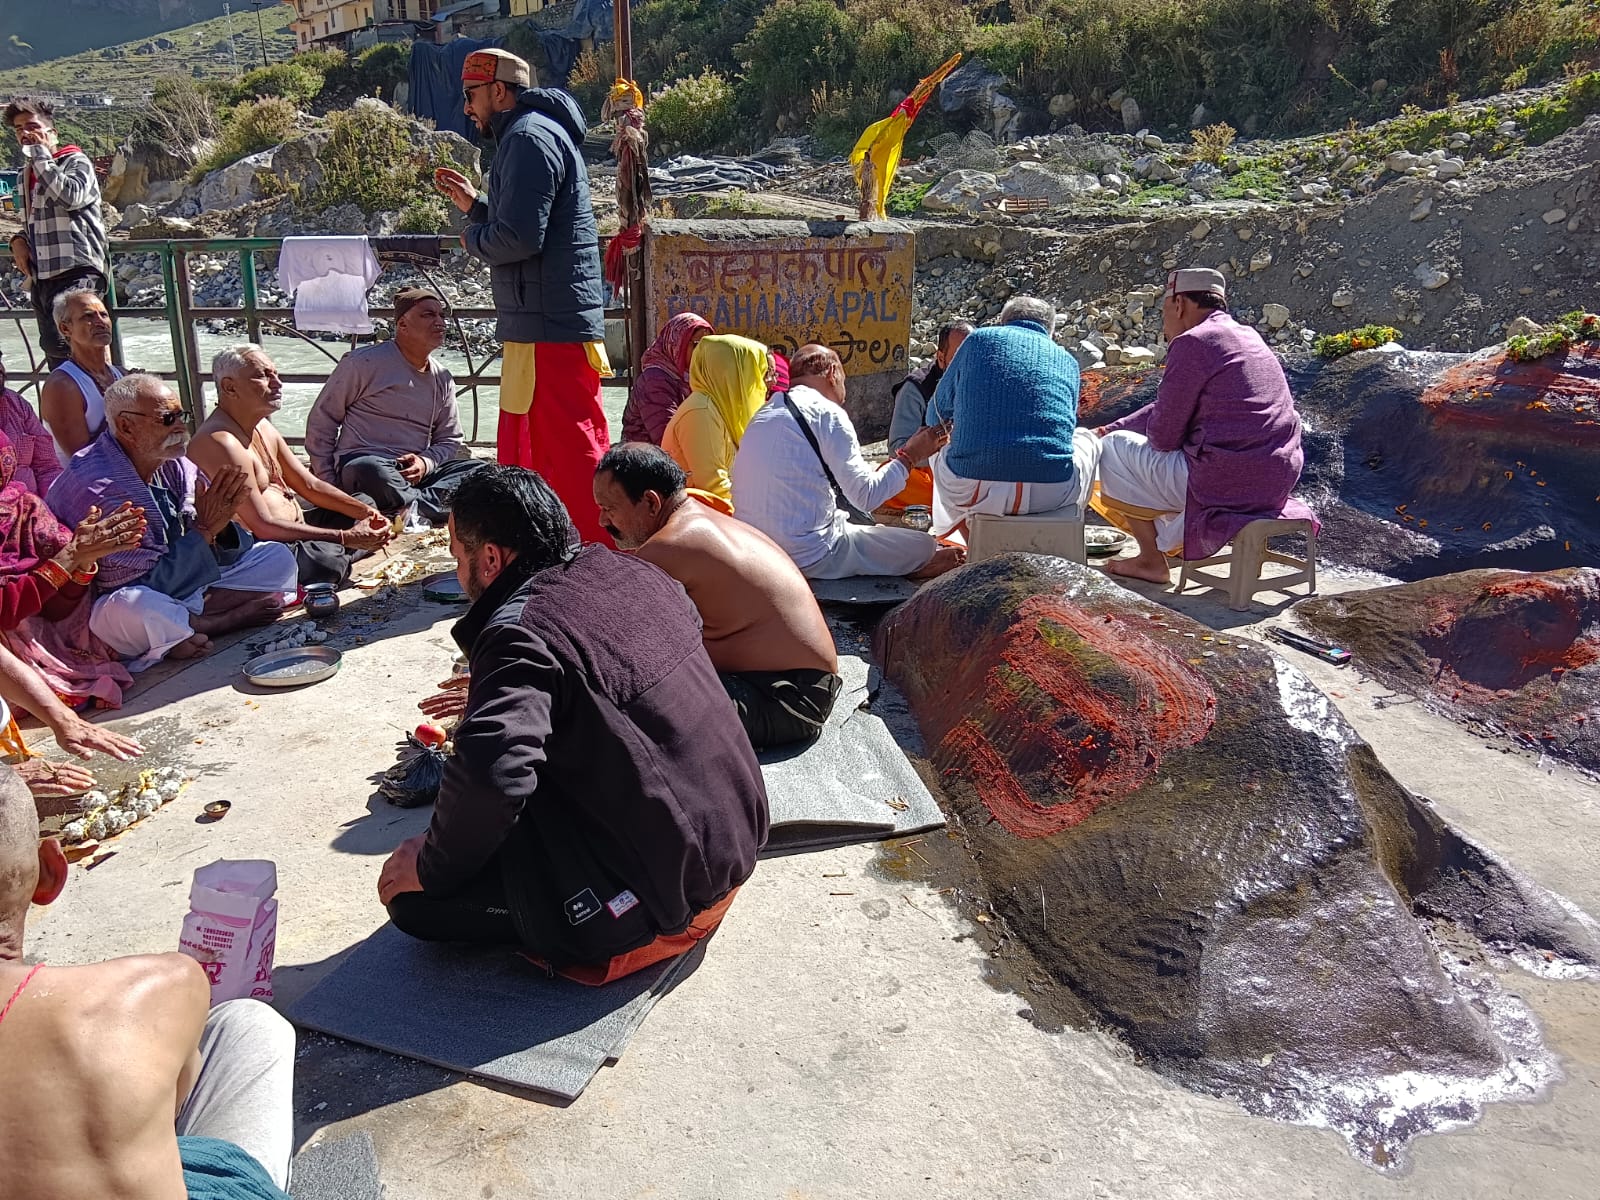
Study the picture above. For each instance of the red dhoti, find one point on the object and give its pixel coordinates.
(551, 422)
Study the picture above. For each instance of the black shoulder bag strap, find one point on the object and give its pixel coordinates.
(856, 516)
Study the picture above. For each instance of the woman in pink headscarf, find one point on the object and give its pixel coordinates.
(663, 381)
(45, 574)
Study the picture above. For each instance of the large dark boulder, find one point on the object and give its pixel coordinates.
(1189, 837)
(1508, 653)
(1421, 464)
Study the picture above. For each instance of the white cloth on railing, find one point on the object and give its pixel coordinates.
(329, 277)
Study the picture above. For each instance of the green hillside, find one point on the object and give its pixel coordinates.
(63, 27)
(200, 51)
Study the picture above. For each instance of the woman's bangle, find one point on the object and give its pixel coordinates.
(901, 456)
(54, 574)
(85, 578)
(339, 535)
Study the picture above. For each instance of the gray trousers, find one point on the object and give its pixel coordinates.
(245, 1092)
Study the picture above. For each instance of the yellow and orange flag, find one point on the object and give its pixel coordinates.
(877, 153)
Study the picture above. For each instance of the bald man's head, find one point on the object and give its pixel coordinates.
(820, 369)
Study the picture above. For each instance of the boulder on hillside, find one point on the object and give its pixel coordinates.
(163, 228)
(1187, 836)
(237, 183)
(973, 92)
(1036, 179)
(961, 191)
(1504, 652)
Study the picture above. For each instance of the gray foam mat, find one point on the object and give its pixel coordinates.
(854, 784)
(485, 1013)
(338, 1169)
(885, 590)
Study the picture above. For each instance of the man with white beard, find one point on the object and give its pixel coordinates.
(196, 573)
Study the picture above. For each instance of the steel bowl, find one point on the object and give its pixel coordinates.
(293, 668)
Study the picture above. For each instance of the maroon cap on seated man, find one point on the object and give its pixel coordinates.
(96, 1060)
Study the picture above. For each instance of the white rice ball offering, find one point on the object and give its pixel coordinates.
(117, 819)
(93, 800)
(169, 788)
(75, 831)
(96, 828)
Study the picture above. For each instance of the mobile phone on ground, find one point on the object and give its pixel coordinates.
(1326, 651)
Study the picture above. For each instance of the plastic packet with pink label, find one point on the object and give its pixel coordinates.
(232, 927)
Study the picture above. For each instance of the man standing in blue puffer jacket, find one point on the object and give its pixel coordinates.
(536, 230)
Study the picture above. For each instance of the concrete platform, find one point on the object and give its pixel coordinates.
(840, 1038)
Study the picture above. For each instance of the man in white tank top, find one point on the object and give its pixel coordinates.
(72, 400)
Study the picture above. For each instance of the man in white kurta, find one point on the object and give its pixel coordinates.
(196, 573)
(781, 483)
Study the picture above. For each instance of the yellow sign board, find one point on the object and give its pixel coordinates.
(851, 292)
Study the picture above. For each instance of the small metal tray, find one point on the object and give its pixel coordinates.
(293, 668)
(444, 588)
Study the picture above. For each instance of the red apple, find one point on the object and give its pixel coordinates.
(430, 734)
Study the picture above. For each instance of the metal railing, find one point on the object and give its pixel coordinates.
(181, 314)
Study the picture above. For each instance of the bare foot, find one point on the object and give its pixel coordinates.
(945, 558)
(261, 610)
(1151, 570)
(192, 647)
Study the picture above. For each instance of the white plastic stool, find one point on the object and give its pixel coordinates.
(1244, 557)
(1059, 533)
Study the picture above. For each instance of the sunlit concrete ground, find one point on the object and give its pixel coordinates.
(839, 1039)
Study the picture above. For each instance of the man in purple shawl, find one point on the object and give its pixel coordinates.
(1218, 448)
(196, 573)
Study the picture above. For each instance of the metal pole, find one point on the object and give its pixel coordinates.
(233, 49)
(175, 325)
(111, 307)
(622, 35)
(247, 284)
(261, 37)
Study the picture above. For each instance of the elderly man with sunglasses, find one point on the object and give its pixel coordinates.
(195, 573)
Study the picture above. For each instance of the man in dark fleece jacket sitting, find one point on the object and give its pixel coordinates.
(603, 804)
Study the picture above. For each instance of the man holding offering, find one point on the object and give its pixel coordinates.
(536, 230)
(239, 433)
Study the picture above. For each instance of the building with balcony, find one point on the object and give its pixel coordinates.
(328, 24)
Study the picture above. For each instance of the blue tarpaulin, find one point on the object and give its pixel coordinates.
(436, 70)
(436, 82)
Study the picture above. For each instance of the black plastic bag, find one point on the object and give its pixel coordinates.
(414, 781)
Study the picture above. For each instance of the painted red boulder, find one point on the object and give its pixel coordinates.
(1189, 837)
(1509, 653)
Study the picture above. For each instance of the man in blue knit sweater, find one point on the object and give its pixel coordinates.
(1011, 400)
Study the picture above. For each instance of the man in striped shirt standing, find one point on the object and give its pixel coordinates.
(62, 246)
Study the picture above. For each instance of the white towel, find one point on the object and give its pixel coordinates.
(329, 277)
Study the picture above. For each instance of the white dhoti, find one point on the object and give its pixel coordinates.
(872, 550)
(1139, 482)
(956, 498)
(142, 624)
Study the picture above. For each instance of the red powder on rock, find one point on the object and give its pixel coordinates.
(1081, 708)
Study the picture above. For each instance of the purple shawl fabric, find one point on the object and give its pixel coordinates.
(1225, 403)
(101, 474)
